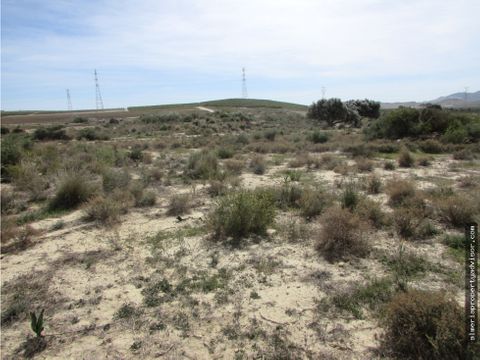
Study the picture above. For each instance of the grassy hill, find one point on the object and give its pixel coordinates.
(227, 103)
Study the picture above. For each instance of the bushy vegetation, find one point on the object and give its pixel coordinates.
(50, 133)
(342, 236)
(72, 191)
(202, 165)
(334, 110)
(403, 122)
(424, 325)
(242, 213)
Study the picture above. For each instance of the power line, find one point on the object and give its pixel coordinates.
(98, 94)
(244, 84)
(69, 101)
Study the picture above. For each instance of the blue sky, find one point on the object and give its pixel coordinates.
(156, 52)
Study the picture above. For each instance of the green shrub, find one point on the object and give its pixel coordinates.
(50, 133)
(11, 153)
(349, 197)
(270, 134)
(288, 195)
(225, 153)
(389, 165)
(90, 134)
(115, 179)
(318, 137)
(342, 236)
(240, 214)
(202, 165)
(313, 202)
(72, 191)
(455, 134)
(80, 120)
(424, 325)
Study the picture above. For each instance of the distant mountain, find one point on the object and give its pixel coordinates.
(456, 100)
(474, 96)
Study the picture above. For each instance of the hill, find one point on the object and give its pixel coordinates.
(228, 103)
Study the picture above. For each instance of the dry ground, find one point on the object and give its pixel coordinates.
(151, 286)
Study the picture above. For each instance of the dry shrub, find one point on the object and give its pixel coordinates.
(313, 201)
(72, 191)
(405, 159)
(115, 179)
(400, 192)
(234, 166)
(456, 210)
(424, 325)
(343, 235)
(20, 239)
(406, 221)
(364, 164)
(103, 210)
(464, 154)
(26, 177)
(470, 181)
(217, 188)
(179, 204)
(202, 165)
(425, 161)
(370, 211)
(7, 201)
(258, 165)
(374, 184)
(330, 161)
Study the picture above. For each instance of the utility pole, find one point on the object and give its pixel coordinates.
(466, 93)
(69, 101)
(98, 94)
(244, 84)
(324, 90)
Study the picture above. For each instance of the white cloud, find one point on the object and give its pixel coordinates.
(302, 39)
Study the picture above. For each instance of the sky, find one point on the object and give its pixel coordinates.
(174, 51)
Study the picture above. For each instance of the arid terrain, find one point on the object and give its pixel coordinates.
(242, 233)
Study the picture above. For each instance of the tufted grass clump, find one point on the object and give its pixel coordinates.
(241, 214)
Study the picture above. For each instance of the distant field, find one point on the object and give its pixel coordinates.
(45, 117)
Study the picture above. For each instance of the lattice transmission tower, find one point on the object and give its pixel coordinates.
(244, 84)
(69, 101)
(98, 94)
